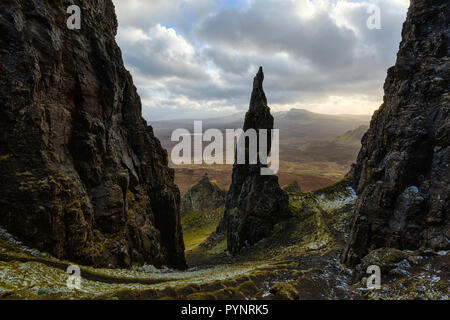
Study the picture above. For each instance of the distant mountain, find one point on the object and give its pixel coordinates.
(352, 137)
(300, 124)
(308, 125)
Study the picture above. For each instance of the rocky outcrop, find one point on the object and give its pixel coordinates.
(83, 176)
(203, 196)
(402, 175)
(292, 188)
(255, 202)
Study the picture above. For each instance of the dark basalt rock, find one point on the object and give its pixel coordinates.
(83, 176)
(203, 196)
(402, 175)
(292, 188)
(254, 203)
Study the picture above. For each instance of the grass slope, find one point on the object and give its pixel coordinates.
(300, 260)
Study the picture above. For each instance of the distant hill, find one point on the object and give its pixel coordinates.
(309, 149)
(300, 124)
(352, 137)
(308, 125)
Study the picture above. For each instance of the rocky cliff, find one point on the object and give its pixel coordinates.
(203, 196)
(254, 203)
(292, 188)
(402, 175)
(83, 176)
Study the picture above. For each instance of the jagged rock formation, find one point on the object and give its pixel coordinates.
(205, 195)
(292, 188)
(402, 175)
(255, 203)
(83, 176)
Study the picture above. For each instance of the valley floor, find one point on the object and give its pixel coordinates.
(299, 261)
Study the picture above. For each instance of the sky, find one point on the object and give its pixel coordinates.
(197, 58)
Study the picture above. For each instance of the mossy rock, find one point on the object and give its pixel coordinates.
(284, 291)
(185, 291)
(249, 289)
(5, 157)
(167, 292)
(121, 295)
(148, 294)
(229, 294)
(201, 296)
(214, 286)
(166, 298)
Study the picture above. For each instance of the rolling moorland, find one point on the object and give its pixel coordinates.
(316, 150)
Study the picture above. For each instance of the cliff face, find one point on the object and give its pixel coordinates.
(204, 195)
(402, 175)
(254, 203)
(83, 176)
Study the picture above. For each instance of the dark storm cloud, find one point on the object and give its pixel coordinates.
(197, 57)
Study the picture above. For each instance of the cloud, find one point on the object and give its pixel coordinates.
(160, 53)
(197, 58)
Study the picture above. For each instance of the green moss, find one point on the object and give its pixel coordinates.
(248, 288)
(295, 207)
(213, 286)
(136, 202)
(48, 153)
(219, 247)
(24, 174)
(216, 184)
(194, 219)
(284, 291)
(166, 298)
(197, 226)
(308, 234)
(201, 296)
(75, 204)
(185, 291)
(229, 293)
(5, 157)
